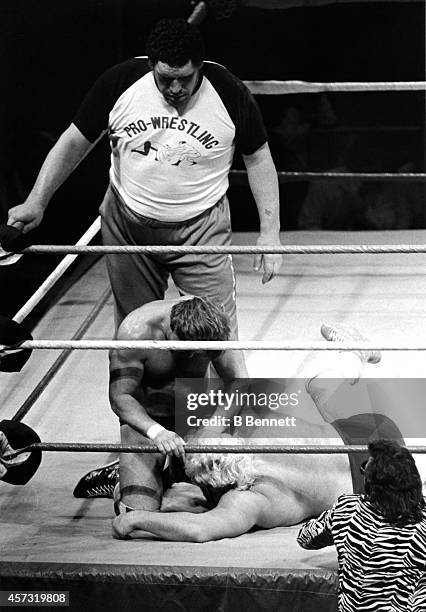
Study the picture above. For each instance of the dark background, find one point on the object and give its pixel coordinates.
(51, 52)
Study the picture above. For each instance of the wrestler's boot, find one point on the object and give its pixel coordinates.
(344, 333)
(99, 482)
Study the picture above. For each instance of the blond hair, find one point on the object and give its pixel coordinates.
(221, 470)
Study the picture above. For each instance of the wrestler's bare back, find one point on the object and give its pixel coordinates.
(160, 368)
(297, 486)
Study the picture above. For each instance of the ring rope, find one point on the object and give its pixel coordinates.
(57, 273)
(290, 249)
(216, 345)
(78, 447)
(290, 87)
(239, 175)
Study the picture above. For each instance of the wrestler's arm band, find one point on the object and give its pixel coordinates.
(124, 373)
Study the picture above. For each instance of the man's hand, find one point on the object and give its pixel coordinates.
(271, 263)
(71, 147)
(263, 181)
(169, 443)
(121, 526)
(26, 216)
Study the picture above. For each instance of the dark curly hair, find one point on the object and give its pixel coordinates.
(175, 42)
(393, 484)
(199, 319)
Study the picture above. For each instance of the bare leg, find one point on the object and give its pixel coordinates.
(329, 386)
(352, 408)
(332, 379)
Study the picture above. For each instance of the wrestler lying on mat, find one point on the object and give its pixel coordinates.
(240, 491)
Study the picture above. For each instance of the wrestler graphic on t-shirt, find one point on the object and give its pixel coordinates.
(174, 155)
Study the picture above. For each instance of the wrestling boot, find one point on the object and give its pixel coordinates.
(99, 482)
(343, 333)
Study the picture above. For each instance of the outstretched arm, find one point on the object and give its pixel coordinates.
(263, 180)
(236, 513)
(63, 158)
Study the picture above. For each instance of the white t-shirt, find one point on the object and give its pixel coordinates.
(165, 165)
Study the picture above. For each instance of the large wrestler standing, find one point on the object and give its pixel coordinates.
(173, 122)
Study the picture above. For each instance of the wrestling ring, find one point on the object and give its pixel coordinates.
(50, 541)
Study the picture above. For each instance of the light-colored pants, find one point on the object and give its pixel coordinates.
(137, 279)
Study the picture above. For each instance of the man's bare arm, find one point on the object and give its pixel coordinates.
(71, 148)
(126, 374)
(127, 370)
(229, 368)
(263, 180)
(236, 513)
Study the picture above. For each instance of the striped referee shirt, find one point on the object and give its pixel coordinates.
(381, 566)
